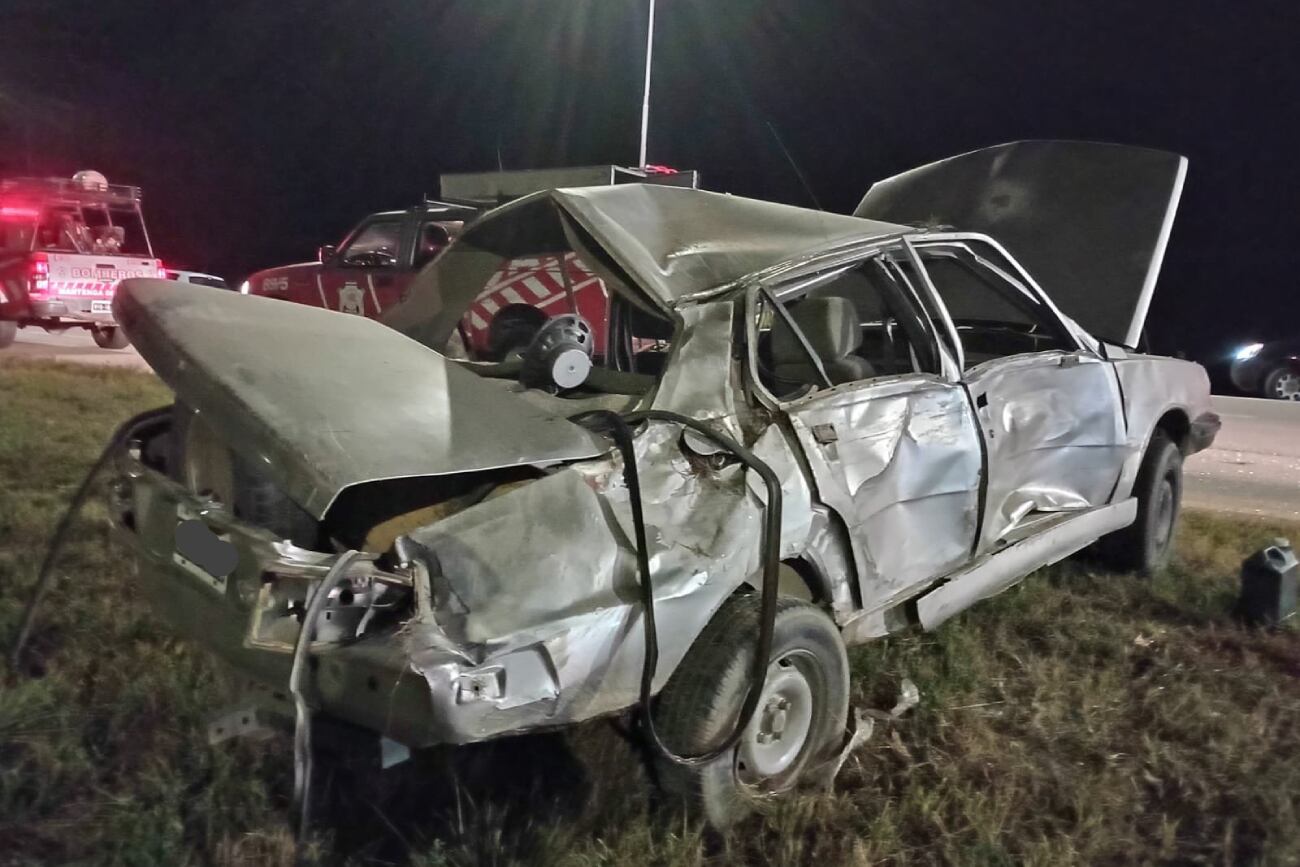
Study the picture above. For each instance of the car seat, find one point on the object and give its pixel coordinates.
(830, 325)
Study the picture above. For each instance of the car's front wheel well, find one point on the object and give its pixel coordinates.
(1177, 426)
(801, 580)
(796, 578)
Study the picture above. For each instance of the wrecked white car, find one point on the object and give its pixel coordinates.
(806, 431)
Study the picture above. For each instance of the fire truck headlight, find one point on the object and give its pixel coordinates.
(243, 288)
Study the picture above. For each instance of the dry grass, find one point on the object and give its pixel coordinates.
(1083, 718)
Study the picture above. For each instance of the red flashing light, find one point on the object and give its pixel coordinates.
(18, 212)
(38, 274)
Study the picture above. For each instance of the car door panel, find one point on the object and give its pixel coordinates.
(1053, 433)
(1051, 420)
(899, 460)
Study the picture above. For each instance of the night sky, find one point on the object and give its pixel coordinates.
(259, 130)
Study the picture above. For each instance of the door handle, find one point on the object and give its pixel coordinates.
(825, 434)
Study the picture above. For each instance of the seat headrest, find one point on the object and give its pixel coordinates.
(830, 324)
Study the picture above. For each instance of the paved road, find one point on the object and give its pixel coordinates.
(74, 345)
(1254, 466)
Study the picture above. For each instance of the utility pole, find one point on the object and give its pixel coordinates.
(645, 101)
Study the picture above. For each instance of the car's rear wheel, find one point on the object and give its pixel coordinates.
(8, 333)
(1282, 383)
(109, 338)
(801, 716)
(1145, 545)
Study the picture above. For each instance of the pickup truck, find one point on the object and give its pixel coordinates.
(367, 272)
(64, 247)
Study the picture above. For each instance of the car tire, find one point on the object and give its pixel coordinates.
(805, 704)
(8, 334)
(204, 464)
(1144, 546)
(1282, 383)
(110, 338)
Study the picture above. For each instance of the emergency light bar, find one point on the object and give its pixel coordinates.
(71, 189)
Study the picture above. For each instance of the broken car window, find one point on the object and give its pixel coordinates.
(628, 346)
(859, 321)
(521, 295)
(994, 314)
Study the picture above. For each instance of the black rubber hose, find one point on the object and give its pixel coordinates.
(65, 523)
(618, 428)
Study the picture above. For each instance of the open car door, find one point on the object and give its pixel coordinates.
(1089, 221)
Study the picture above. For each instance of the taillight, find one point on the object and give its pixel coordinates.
(162, 271)
(38, 276)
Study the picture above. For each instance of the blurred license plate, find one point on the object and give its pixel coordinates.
(101, 306)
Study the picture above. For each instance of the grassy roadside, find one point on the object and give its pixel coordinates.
(1083, 718)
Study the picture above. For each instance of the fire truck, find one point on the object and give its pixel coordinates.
(371, 268)
(65, 244)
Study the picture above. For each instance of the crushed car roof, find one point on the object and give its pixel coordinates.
(663, 244)
(679, 242)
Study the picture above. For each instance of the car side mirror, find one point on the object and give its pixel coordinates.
(325, 253)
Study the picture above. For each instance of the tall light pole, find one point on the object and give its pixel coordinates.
(645, 101)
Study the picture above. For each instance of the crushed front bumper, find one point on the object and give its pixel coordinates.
(1204, 428)
(408, 683)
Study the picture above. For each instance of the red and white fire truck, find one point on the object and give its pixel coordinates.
(370, 270)
(65, 244)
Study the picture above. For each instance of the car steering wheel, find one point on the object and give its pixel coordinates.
(371, 259)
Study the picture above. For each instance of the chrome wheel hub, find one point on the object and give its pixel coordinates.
(1287, 387)
(780, 728)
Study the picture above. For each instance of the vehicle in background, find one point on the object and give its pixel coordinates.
(1269, 369)
(197, 278)
(370, 270)
(65, 244)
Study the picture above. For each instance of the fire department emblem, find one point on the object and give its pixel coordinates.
(351, 299)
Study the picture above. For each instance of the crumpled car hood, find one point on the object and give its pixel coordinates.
(1090, 221)
(324, 400)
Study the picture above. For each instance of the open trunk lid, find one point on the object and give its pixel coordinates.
(323, 400)
(1089, 221)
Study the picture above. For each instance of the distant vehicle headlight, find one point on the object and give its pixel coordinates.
(1248, 351)
(243, 288)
